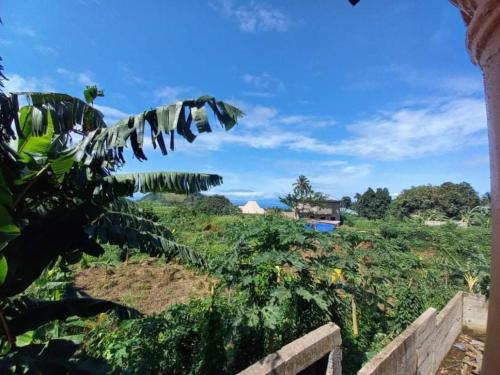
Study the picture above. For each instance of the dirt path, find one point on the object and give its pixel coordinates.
(149, 285)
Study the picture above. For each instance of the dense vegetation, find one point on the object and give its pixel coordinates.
(373, 204)
(459, 202)
(274, 281)
(61, 198)
(207, 204)
(450, 199)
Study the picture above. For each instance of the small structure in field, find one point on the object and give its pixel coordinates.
(326, 210)
(253, 208)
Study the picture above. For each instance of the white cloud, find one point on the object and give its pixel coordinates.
(461, 84)
(263, 82)
(269, 117)
(243, 193)
(438, 83)
(478, 160)
(6, 42)
(299, 166)
(84, 78)
(451, 84)
(111, 115)
(316, 121)
(130, 76)
(277, 181)
(404, 133)
(171, 94)
(258, 116)
(253, 17)
(25, 31)
(258, 94)
(418, 131)
(17, 83)
(46, 50)
(347, 178)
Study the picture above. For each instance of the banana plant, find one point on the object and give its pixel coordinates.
(476, 216)
(60, 195)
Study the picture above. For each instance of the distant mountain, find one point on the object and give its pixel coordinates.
(171, 198)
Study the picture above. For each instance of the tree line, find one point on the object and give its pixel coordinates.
(448, 201)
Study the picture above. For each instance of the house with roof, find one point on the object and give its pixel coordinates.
(325, 210)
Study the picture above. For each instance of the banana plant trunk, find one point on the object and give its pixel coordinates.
(482, 18)
(354, 315)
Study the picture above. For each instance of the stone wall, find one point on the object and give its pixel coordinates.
(318, 352)
(424, 344)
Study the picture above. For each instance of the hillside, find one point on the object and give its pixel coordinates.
(171, 198)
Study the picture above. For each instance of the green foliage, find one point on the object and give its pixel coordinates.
(346, 202)
(91, 93)
(302, 194)
(373, 204)
(216, 205)
(479, 215)
(277, 281)
(409, 306)
(486, 200)
(388, 231)
(449, 198)
(170, 199)
(187, 339)
(272, 288)
(62, 200)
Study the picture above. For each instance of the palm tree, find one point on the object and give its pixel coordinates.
(302, 187)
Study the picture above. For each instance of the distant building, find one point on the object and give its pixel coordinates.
(252, 207)
(327, 210)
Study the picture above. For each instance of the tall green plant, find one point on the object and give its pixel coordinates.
(59, 198)
(302, 195)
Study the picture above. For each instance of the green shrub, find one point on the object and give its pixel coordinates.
(389, 231)
(187, 339)
(216, 205)
(409, 306)
(347, 219)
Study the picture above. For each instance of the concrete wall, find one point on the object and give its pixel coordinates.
(400, 356)
(421, 348)
(302, 354)
(475, 312)
(448, 327)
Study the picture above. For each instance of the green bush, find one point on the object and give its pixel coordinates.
(409, 306)
(389, 231)
(187, 339)
(216, 205)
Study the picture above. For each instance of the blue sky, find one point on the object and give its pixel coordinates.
(381, 95)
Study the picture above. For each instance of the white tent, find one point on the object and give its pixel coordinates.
(252, 207)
